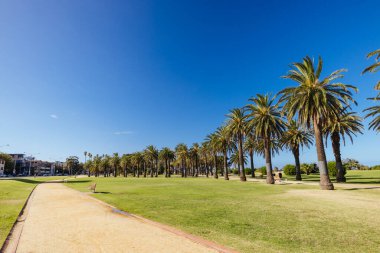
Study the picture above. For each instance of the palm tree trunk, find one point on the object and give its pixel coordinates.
(325, 182)
(182, 168)
(196, 166)
(169, 169)
(216, 166)
(252, 165)
(166, 167)
(206, 168)
(335, 140)
(156, 171)
(296, 154)
(151, 169)
(225, 165)
(268, 161)
(241, 159)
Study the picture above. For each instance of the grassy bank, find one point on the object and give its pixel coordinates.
(252, 216)
(13, 194)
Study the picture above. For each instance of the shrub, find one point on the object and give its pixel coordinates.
(331, 166)
(376, 167)
(262, 170)
(289, 169)
(309, 168)
(248, 171)
(332, 169)
(235, 171)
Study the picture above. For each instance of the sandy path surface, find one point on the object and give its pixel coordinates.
(60, 219)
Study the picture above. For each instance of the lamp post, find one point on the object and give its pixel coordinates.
(30, 161)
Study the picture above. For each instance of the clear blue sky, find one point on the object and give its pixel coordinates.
(116, 76)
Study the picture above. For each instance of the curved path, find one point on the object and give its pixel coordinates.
(60, 219)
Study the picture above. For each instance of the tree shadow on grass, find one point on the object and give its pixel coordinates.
(363, 188)
(25, 180)
(77, 181)
(374, 181)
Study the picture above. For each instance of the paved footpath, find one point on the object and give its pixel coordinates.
(60, 219)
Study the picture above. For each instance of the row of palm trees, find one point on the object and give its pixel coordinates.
(314, 109)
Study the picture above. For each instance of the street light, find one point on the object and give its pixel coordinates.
(30, 161)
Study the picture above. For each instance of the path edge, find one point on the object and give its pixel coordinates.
(10, 244)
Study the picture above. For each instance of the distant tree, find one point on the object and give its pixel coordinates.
(96, 165)
(295, 138)
(125, 162)
(237, 127)
(267, 121)
(90, 157)
(166, 155)
(9, 164)
(182, 154)
(250, 146)
(343, 124)
(115, 163)
(151, 155)
(72, 163)
(351, 164)
(194, 156)
(105, 163)
(212, 144)
(223, 143)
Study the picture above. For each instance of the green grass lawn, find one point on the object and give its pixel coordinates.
(252, 216)
(13, 194)
(353, 176)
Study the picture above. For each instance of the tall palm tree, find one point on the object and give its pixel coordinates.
(194, 155)
(182, 153)
(205, 154)
(313, 101)
(105, 165)
(152, 156)
(266, 120)
(88, 165)
(90, 157)
(250, 146)
(211, 140)
(137, 159)
(374, 111)
(166, 155)
(85, 158)
(237, 127)
(115, 163)
(341, 125)
(295, 138)
(96, 165)
(235, 158)
(223, 143)
(125, 162)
